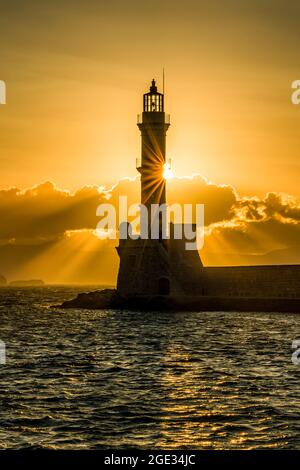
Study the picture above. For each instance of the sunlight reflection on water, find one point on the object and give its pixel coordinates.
(111, 379)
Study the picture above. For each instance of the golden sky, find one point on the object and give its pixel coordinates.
(75, 74)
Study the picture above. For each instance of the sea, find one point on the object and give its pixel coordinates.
(112, 379)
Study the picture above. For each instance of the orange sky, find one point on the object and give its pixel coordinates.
(75, 77)
(75, 74)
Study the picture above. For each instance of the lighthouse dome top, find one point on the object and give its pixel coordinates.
(153, 100)
(153, 87)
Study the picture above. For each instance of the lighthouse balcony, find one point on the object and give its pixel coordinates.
(153, 117)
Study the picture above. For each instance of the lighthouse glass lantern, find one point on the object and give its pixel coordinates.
(153, 101)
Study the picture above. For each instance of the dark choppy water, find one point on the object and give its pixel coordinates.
(112, 379)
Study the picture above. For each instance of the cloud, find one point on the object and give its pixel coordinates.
(274, 206)
(49, 232)
(45, 212)
(257, 227)
(219, 200)
(255, 237)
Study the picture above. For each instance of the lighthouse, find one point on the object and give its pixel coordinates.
(153, 124)
(151, 266)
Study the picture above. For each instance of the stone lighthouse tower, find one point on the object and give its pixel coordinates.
(153, 124)
(154, 266)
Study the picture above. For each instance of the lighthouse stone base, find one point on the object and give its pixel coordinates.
(157, 267)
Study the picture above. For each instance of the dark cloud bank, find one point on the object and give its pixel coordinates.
(44, 226)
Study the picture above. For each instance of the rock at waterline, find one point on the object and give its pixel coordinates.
(110, 299)
(94, 300)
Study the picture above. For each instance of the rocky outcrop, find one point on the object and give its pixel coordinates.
(110, 299)
(100, 299)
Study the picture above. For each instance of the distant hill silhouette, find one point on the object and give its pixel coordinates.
(2, 280)
(27, 283)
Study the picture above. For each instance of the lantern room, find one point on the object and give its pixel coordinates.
(153, 101)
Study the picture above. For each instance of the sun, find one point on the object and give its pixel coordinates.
(167, 172)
